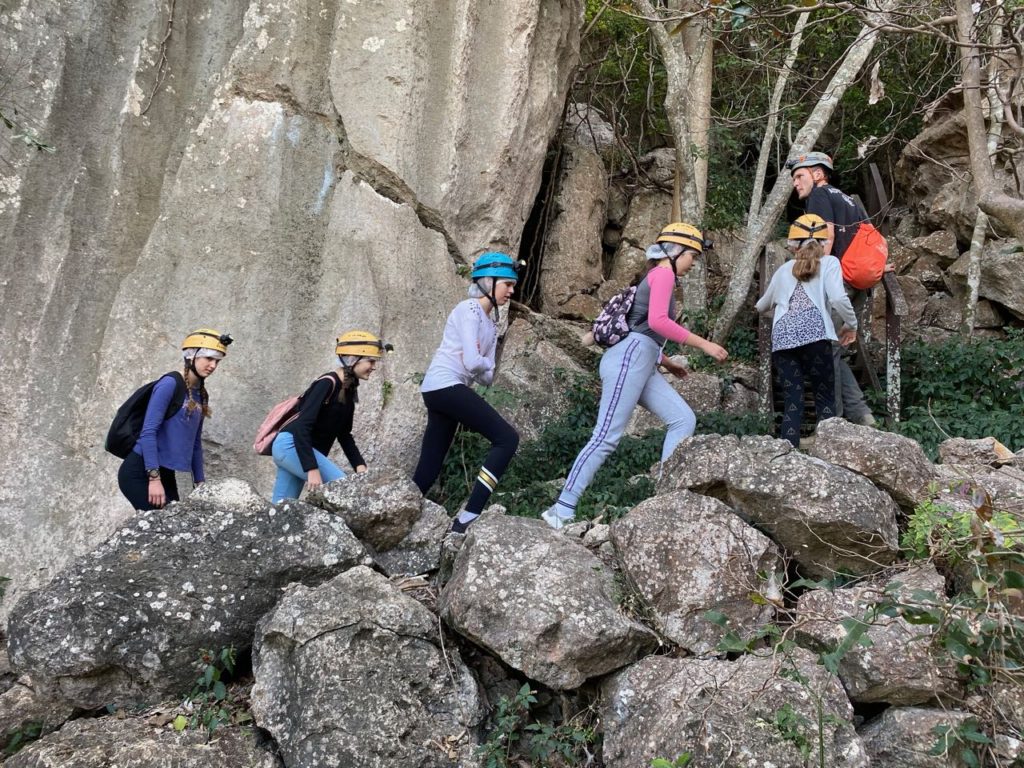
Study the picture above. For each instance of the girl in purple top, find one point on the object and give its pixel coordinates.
(173, 444)
(629, 370)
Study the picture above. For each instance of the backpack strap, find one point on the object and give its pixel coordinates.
(180, 391)
(333, 378)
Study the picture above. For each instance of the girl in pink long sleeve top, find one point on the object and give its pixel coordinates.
(629, 370)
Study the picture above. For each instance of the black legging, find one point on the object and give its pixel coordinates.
(134, 482)
(448, 408)
(792, 366)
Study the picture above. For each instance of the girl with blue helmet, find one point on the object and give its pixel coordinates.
(467, 356)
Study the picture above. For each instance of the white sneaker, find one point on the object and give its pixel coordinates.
(867, 420)
(552, 518)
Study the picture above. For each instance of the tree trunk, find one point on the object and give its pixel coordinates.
(759, 228)
(995, 131)
(679, 71)
(773, 116)
(1009, 211)
(699, 46)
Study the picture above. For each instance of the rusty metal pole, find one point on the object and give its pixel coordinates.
(764, 342)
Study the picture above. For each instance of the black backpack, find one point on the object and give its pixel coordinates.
(127, 424)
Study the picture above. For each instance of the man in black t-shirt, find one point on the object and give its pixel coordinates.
(843, 214)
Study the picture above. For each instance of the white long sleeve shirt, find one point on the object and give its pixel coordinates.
(825, 290)
(466, 354)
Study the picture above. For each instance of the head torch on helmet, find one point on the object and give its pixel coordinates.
(208, 339)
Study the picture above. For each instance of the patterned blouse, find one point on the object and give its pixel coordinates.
(802, 323)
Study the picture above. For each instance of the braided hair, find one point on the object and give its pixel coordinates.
(191, 406)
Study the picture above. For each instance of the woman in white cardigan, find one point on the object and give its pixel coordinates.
(802, 291)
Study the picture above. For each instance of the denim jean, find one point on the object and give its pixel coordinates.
(629, 376)
(290, 474)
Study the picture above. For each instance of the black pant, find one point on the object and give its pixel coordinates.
(448, 408)
(134, 482)
(813, 363)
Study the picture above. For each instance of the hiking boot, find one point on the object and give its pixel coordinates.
(552, 518)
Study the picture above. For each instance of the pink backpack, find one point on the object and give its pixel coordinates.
(279, 417)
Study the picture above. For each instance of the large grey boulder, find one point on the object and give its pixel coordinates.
(984, 450)
(380, 506)
(354, 672)
(688, 554)
(1001, 278)
(131, 743)
(903, 737)
(894, 463)
(125, 623)
(901, 664)
(420, 550)
(829, 518)
(752, 712)
(542, 603)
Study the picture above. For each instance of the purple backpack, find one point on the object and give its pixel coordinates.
(610, 326)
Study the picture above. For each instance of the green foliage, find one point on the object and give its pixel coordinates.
(963, 740)
(210, 701)
(512, 735)
(387, 391)
(21, 738)
(793, 727)
(980, 629)
(940, 531)
(681, 761)
(964, 387)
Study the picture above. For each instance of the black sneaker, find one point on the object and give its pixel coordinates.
(460, 528)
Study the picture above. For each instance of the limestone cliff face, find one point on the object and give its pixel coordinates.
(282, 171)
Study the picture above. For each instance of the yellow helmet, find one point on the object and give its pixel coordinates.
(808, 226)
(685, 235)
(207, 338)
(361, 344)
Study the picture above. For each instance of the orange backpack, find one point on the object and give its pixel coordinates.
(865, 257)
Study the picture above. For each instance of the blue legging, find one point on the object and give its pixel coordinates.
(290, 474)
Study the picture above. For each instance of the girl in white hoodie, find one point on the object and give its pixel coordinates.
(802, 291)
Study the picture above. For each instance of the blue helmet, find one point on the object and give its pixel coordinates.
(495, 264)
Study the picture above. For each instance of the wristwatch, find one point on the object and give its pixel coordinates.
(154, 474)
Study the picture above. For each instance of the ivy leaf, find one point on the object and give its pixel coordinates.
(716, 617)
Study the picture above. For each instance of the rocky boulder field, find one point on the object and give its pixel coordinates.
(717, 619)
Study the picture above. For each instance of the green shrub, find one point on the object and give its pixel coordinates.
(967, 388)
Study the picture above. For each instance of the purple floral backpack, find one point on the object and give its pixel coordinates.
(610, 326)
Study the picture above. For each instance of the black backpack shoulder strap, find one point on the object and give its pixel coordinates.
(178, 398)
